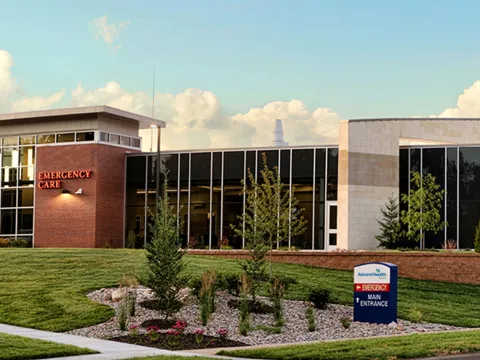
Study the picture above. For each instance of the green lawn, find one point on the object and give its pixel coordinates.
(174, 358)
(45, 289)
(400, 347)
(20, 348)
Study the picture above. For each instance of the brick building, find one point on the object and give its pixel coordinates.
(78, 178)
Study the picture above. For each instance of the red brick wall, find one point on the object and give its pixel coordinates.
(460, 267)
(89, 220)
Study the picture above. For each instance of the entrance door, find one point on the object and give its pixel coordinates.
(331, 225)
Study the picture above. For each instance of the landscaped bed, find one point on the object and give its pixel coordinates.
(400, 347)
(20, 348)
(329, 324)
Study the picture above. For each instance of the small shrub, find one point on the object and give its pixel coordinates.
(133, 330)
(207, 295)
(415, 315)
(345, 322)
(310, 315)
(226, 247)
(269, 329)
(195, 285)
(477, 238)
(4, 242)
(285, 280)
(131, 239)
(276, 292)
(122, 314)
(229, 282)
(320, 298)
(153, 333)
(244, 328)
(19, 243)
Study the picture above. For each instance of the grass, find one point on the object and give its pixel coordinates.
(174, 358)
(45, 289)
(20, 348)
(400, 347)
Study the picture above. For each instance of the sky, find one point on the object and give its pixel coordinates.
(225, 70)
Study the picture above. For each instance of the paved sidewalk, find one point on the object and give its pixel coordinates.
(110, 350)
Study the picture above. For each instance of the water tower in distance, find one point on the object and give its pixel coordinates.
(277, 139)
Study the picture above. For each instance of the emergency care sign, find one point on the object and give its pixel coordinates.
(375, 293)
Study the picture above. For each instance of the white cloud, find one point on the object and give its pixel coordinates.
(468, 103)
(108, 32)
(10, 101)
(194, 117)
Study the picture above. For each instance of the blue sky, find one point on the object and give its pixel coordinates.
(361, 58)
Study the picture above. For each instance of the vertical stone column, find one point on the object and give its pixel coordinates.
(368, 175)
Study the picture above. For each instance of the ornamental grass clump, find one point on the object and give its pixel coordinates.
(310, 316)
(207, 295)
(244, 315)
(276, 292)
(130, 282)
(122, 313)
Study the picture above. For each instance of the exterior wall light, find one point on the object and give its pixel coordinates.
(79, 192)
(65, 192)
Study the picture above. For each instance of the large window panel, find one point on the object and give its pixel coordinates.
(320, 158)
(184, 197)
(332, 187)
(25, 197)
(433, 162)
(216, 199)
(8, 220)
(404, 177)
(135, 180)
(469, 194)
(10, 157)
(233, 197)
(272, 161)
(9, 198)
(302, 181)
(135, 221)
(451, 194)
(200, 200)
(25, 221)
(9, 177)
(27, 155)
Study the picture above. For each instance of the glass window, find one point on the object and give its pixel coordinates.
(233, 168)
(136, 142)
(469, 194)
(114, 139)
(10, 141)
(200, 200)
(404, 177)
(27, 155)
(9, 198)
(184, 190)
(320, 158)
(251, 162)
(62, 138)
(124, 140)
(135, 180)
(9, 177)
(25, 221)
(433, 162)
(216, 199)
(332, 186)
(25, 197)
(302, 181)
(285, 166)
(8, 218)
(27, 176)
(27, 140)
(104, 136)
(46, 139)
(10, 157)
(85, 136)
(452, 193)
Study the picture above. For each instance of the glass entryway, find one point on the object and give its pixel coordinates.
(331, 225)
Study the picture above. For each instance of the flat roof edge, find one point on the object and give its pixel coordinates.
(416, 118)
(98, 109)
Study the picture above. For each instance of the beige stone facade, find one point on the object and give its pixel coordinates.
(368, 170)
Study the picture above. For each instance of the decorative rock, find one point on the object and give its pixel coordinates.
(392, 325)
(118, 295)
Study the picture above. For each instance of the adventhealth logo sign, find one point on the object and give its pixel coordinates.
(377, 273)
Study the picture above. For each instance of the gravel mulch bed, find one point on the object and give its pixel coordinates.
(295, 329)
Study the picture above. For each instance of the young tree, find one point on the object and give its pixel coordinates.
(424, 204)
(165, 258)
(390, 226)
(267, 220)
(477, 238)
